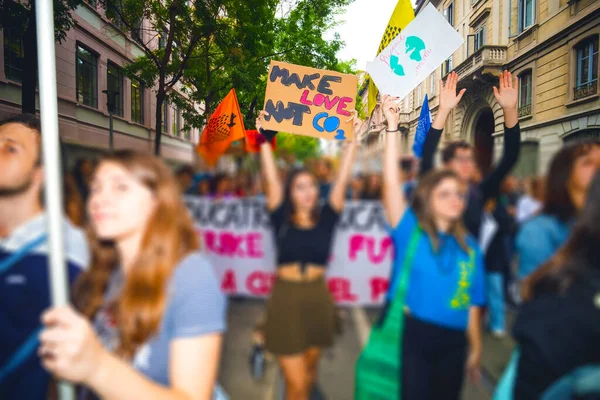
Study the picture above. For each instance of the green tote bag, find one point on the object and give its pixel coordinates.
(379, 365)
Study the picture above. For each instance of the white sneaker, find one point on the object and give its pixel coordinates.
(499, 334)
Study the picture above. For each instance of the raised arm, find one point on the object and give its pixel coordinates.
(507, 97)
(394, 201)
(448, 100)
(272, 182)
(337, 196)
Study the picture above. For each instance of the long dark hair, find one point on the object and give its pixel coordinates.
(422, 208)
(579, 255)
(557, 199)
(288, 206)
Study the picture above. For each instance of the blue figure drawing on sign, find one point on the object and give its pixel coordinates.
(395, 65)
(330, 124)
(414, 46)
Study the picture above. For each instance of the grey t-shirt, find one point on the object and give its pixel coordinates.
(195, 307)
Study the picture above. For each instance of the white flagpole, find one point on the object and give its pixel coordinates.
(44, 14)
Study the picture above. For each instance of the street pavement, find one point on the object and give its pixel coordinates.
(336, 373)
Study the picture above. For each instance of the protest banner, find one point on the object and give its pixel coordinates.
(309, 101)
(237, 238)
(414, 54)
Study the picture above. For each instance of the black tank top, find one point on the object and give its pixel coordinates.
(304, 246)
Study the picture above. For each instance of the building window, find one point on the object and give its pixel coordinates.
(527, 166)
(526, 14)
(137, 101)
(114, 85)
(187, 132)
(479, 37)
(447, 67)
(13, 55)
(137, 31)
(525, 80)
(162, 40)
(164, 117)
(175, 122)
(449, 14)
(418, 97)
(586, 78)
(87, 77)
(432, 85)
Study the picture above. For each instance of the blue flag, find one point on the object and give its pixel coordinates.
(423, 127)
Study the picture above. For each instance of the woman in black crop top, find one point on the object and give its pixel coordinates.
(301, 312)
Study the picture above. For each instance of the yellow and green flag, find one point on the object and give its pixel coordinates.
(403, 14)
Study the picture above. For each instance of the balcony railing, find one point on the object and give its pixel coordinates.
(585, 90)
(486, 56)
(525, 110)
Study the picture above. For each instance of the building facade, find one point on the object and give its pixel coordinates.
(89, 68)
(550, 45)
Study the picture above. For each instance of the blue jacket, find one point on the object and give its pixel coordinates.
(538, 240)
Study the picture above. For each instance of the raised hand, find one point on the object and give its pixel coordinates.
(260, 119)
(448, 97)
(268, 135)
(390, 110)
(508, 93)
(356, 123)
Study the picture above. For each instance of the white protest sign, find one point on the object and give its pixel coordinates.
(414, 54)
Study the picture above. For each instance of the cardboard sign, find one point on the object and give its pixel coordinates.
(310, 101)
(415, 53)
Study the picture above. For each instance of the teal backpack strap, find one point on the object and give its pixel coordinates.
(379, 365)
(407, 263)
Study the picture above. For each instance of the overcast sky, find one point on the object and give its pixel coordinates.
(362, 27)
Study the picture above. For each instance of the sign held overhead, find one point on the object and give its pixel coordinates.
(309, 101)
(414, 54)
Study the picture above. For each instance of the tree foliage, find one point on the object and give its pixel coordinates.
(211, 46)
(301, 147)
(19, 17)
(172, 30)
(252, 34)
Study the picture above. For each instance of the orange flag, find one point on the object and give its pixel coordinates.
(254, 140)
(224, 127)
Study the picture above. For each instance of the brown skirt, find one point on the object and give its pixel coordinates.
(300, 315)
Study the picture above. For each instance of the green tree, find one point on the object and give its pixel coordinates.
(234, 55)
(302, 147)
(250, 35)
(174, 29)
(19, 18)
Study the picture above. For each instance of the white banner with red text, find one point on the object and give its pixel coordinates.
(237, 238)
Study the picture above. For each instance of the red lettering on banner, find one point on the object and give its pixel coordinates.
(340, 289)
(359, 242)
(379, 286)
(253, 243)
(229, 283)
(259, 283)
(229, 244)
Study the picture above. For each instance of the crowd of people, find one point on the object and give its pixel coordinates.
(147, 315)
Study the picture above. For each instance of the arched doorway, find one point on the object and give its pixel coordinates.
(484, 140)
